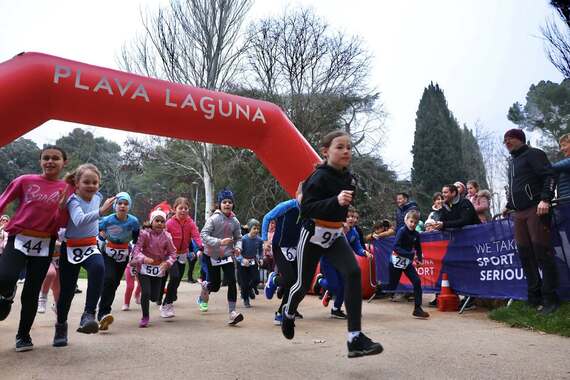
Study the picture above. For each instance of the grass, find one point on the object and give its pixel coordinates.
(520, 315)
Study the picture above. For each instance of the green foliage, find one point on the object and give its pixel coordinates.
(473, 159)
(547, 110)
(437, 149)
(523, 316)
(20, 157)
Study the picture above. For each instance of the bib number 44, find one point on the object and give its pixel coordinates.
(32, 246)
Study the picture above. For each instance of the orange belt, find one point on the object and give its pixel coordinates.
(110, 244)
(83, 242)
(36, 234)
(327, 223)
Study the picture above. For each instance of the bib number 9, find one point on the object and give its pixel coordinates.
(325, 237)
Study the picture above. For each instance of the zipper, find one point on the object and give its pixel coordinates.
(512, 175)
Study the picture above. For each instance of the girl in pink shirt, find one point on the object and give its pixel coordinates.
(183, 231)
(32, 233)
(153, 255)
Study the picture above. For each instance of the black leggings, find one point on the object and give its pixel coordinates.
(341, 256)
(150, 291)
(175, 274)
(412, 274)
(287, 274)
(68, 274)
(113, 274)
(215, 279)
(248, 279)
(12, 262)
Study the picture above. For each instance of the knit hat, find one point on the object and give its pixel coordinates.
(515, 133)
(460, 187)
(225, 194)
(122, 196)
(156, 213)
(252, 222)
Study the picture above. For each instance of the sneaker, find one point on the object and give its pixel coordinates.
(338, 314)
(126, 307)
(21, 281)
(398, 297)
(105, 322)
(235, 318)
(420, 313)
(42, 301)
(202, 304)
(24, 343)
(171, 312)
(270, 286)
(88, 324)
(433, 303)
(144, 322)
(164, 311)
(6, 305)
(77, 290)
(361, 345)
(298, 315)
(317, 288)
(60, 337)
(327, 297)
(278, 319)
(288, 327)
(246, 303)
(251, 294)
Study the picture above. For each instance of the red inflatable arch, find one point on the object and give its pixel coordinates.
(38, 87)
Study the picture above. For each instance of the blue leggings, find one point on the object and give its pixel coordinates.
(68, 274)
(332, 282)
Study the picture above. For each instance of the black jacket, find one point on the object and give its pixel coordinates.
(402, 211)
(531, 178)
(320, 193)
(460, 214)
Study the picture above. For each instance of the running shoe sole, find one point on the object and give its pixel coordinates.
(236, 320)
(105, 322)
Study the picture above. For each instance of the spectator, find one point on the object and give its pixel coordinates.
(461, 189)
(481, 200)
(435, 214)
(4, 219)
(380, 230)
(403, 206)
(456, 212)
(562, 168)
(530, 190)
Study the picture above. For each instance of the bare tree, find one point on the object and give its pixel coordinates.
(195, 42)
(557, 37)
(319, 77)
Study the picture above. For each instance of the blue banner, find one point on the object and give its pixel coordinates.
(480, 260)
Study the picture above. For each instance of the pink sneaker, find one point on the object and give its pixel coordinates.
(144, 322)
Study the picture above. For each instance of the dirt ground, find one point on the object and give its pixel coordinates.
(196, 345)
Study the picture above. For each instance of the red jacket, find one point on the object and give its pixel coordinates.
(182, 233)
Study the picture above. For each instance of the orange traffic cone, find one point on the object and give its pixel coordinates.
(447, 300)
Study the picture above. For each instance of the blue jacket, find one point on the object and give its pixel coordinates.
(562, 168)
(287, 224)
(354, 240)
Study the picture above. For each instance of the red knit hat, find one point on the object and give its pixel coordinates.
(515, 133)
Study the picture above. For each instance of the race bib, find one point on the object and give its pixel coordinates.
(151, 270)
(325, 237)
(182, 258)
(79, 250)
(117, 251)
(221, 260)
(133, 271)
(32, 246)
(400, 262)
(290, 253)
(248, 262)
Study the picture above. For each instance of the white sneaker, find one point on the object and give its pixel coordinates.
(42, 305)
(235, 318)
(164, 311)
(125, 307)
(170, 312)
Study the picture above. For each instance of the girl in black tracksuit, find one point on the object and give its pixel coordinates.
(327, 193)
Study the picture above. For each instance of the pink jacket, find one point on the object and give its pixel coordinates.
(157, 246)
(182, 233)
(38, 208)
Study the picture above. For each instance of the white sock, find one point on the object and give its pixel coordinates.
(334, 308)
(352, 335)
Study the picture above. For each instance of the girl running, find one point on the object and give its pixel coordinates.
(80, 250)
(119, 228)
(130, 279)
(183, 231)
(153, 255)
(327, 193)
(32, 233)
(222, 241)
(51, 281)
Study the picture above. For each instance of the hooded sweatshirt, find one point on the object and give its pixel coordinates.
(220, 226)
(183, 232)
(155, 245)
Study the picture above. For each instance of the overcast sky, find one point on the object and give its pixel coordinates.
(484, 54)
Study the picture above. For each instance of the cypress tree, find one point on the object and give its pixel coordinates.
(473, 159)
(437, 150)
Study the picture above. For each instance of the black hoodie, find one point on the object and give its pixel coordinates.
(320, 192)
